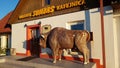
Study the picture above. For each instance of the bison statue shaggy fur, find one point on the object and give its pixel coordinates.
(60, 38)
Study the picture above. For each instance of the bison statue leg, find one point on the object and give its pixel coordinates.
(55, 53)
(85, 52)
(60, 54)
(81, 43)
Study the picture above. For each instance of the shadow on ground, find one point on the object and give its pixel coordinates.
(63, 63)
(27, 58)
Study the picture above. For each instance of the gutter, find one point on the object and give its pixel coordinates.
(102, 32)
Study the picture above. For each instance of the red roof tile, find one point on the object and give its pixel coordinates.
(3, 23)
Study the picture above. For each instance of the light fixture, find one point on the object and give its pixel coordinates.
(39, 22)
(25, 25)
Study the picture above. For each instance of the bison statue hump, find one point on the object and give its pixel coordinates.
(60, 38)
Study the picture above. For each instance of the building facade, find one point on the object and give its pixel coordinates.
(32, 17)
(5, 34)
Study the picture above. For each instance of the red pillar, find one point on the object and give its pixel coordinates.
(102, 33)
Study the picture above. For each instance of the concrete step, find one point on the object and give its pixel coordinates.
(8, 63)
(34, 62)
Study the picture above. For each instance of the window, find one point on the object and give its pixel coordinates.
(7, 41)
(47, 2)
(76, 25)
(46, 28)
(35, 33)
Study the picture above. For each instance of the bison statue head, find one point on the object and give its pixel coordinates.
(43, 40)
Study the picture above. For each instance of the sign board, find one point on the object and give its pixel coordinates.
(51, 9)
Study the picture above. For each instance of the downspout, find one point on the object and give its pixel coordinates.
(102, 33)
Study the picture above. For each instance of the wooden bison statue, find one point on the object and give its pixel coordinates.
(60, 38)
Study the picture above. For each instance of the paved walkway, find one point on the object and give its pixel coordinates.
(34, 62)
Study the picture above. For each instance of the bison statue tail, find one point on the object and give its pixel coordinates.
(89, 36)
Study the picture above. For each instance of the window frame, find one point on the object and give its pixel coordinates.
(69, 24)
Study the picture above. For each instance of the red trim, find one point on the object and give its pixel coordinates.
(102, 66)
(28, 37)
(28, 53)
(97, 61)
(21, 54)
(33, 26)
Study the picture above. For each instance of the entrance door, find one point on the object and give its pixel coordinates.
(34, 47)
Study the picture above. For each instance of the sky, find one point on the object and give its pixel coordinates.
(7, 6)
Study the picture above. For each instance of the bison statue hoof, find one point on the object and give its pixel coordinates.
(54, 61)
(59, 59)
(85, 63)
